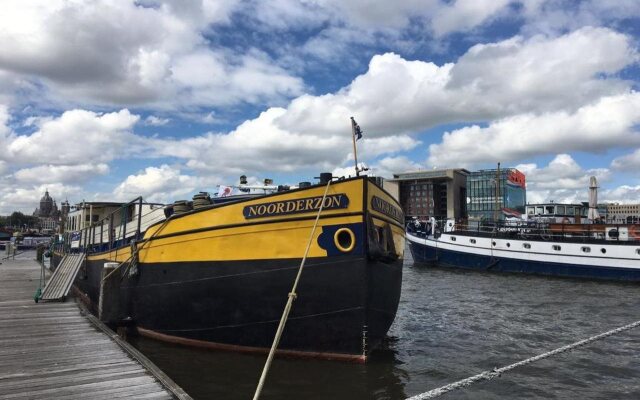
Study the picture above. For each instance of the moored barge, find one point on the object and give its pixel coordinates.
(595, 251)
(218, 275)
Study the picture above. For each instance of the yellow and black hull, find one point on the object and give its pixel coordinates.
(219, 277)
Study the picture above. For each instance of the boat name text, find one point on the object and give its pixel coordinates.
(386, 208)
(304, 205)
